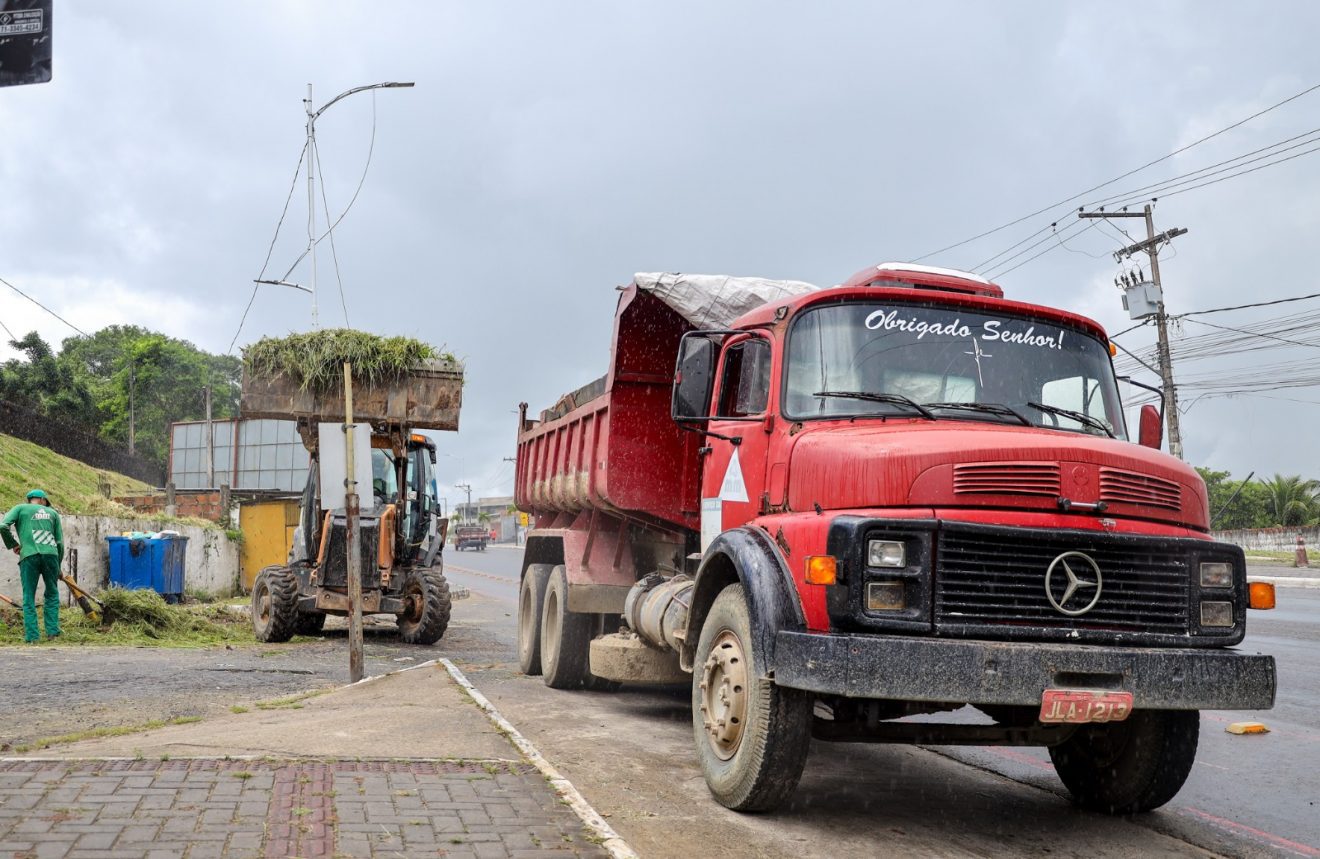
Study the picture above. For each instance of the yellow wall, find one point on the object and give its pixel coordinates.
(267, 528)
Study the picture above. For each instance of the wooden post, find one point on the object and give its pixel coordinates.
(351, 513)
(170, 508)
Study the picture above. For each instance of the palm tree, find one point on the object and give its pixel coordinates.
(1292, 500)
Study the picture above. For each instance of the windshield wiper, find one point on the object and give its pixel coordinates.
(988, 408)
(894, 399)
(1081, 418)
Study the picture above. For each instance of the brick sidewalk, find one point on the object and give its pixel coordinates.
(207, 807)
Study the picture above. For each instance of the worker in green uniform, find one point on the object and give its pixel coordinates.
(40, 549)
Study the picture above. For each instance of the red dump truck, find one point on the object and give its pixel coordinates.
(836, 509)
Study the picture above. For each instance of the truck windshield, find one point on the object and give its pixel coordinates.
(860, 359)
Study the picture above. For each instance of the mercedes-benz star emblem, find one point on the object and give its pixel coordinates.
(1075, 583)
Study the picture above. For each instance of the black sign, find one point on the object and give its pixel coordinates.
(25, 44)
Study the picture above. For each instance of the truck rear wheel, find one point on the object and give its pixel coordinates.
(426, 606)
(531, 600)
(1130, 766)
(565, 636)
(275, 604)
(752, 736)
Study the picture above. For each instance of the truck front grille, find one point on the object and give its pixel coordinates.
(1007, 478)
(992, 579)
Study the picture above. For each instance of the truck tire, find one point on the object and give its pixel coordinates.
(752, 736)
(426, 597)
(565, 636)
(531, 600)
(309, 623)
(275, 604)
(1130, 766)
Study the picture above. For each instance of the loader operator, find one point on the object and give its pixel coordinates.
(40, 549)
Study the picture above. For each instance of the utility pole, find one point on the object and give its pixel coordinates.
(132, 406)
(210, 442)
(312, 115)
(467, 510)
(351, 513)
(1151, 246)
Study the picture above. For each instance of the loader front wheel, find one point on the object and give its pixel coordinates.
(275, 604)
(565, 636)
(426, 606)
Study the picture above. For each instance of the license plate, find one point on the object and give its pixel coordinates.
(1079, 706)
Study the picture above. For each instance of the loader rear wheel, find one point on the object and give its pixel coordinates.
(531, 600)
(426, 599)
(275, 604)
(1130, 766)
(309, 623)
(565, 636)
(752, 736)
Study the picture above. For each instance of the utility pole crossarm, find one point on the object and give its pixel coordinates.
(1150, 244)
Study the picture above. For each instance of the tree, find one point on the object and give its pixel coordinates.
(47, 384)
(147, 380)
(1292, 500)
(1250, 509)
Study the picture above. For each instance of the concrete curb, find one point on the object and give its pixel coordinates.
(1286, 581)
(610, 840)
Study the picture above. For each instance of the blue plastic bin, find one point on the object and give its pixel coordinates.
(155, 563)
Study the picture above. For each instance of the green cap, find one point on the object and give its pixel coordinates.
(36, 493)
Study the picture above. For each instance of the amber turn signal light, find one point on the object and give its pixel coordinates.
(1261, 593)
(822, 570)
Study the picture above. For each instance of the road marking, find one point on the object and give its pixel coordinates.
(1233, 826)
(610, 840)
(456, 568)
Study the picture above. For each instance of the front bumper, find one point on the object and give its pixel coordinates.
(1015, 673)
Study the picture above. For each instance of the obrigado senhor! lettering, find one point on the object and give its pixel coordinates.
(991, 329)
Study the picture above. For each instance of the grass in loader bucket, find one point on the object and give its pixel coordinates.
(141, 617)
(316, 359)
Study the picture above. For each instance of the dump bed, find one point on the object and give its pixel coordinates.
(427, 397)
(612, 445)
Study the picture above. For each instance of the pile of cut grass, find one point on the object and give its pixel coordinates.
(142, 617)
(315, 360)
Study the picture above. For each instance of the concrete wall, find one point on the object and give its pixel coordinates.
(1270, 539)
(211, 563)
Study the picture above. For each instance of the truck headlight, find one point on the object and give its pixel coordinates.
(1216, 613)
(886, 553)
(1216, 574)
(885, 596)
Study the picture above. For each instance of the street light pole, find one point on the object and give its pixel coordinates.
(312, 116)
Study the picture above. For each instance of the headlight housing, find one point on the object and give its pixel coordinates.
(891, 554)
(1216, 574)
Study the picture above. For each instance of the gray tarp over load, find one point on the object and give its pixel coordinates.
(704, 300)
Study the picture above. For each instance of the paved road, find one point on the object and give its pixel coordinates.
(1247, 796)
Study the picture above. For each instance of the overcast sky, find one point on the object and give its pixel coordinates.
(550, 150)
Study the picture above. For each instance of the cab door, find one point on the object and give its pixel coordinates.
(733, 475)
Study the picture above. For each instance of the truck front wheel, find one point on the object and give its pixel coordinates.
(531, 599)
(565, 636)
(752, 736)
(1130, 766)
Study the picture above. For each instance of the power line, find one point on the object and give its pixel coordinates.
(1245, 306)
(297, 171)
(1003, 272)
(334, 254)
(1236, 161)
(1106, 184)
(43, 307)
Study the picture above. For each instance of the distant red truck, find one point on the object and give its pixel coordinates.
(836, 508)
(471, 537)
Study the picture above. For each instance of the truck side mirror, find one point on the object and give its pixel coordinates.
(694, 378)
(1151, 431)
